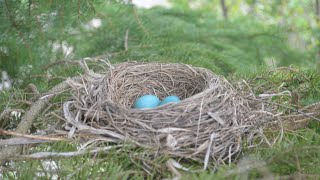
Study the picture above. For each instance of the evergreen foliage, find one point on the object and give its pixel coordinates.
(175, 35)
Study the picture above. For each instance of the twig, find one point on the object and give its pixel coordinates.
(30, 136)
(293, 70)
(29, 103)
(139, 22)
(79, 61)
(293, 109)
(73, 62)
(126, 40)
(20, 141)
(48, 155)
(198, 125)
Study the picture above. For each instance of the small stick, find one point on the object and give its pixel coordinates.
(126, 40)
(293, 109)
(47, 155)
(30, 136)
(60, 62)
(29, 103)
(74, 62)
(21, 141)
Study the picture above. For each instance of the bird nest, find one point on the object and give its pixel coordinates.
(209, 124)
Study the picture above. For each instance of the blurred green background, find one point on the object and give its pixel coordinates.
(250, 34)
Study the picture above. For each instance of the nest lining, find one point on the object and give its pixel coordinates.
(208, 124)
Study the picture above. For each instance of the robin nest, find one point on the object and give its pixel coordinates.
(209, 124)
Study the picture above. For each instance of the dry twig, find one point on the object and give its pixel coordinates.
(49, 155)
(46, 138)
(126, 38)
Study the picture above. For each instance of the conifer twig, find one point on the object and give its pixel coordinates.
(293, 70)
(139, 22)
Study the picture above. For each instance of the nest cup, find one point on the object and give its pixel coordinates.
(208, 124)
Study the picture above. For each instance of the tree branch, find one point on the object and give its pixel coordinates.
(318, 10)
(27, 120)
(224, 9)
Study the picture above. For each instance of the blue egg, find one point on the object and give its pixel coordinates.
(170, 99)
(147, 101)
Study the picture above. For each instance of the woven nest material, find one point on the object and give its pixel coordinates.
(207, 125)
